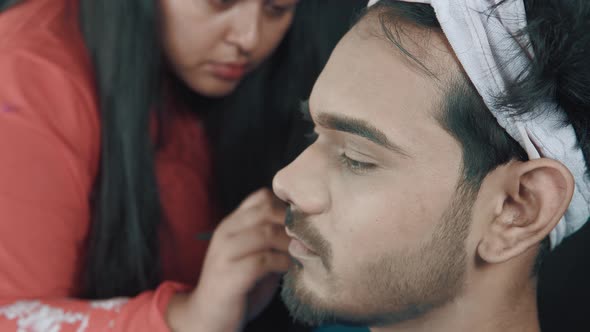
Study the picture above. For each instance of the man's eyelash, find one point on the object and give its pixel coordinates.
(355, 165)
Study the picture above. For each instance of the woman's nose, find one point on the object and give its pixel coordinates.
(245, 27)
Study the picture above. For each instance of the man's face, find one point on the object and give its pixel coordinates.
(375, 197)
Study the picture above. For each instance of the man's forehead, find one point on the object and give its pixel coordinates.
(425, 49)
(367, 73)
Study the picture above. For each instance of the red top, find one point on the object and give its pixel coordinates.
(50, 145)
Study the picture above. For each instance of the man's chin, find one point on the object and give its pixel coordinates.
(300, 301)
(308, 308)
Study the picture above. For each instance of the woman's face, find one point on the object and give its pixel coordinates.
(212, 44)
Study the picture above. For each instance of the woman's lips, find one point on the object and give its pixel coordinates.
(229, 71)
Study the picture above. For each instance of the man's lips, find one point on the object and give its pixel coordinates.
(298, 247)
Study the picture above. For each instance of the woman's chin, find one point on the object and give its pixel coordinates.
(213, 87)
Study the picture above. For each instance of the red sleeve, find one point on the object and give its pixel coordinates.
(141, 313)
(49, 147)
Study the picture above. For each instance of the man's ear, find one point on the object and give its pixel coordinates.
(536, 194)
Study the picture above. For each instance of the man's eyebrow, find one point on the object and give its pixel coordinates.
(353, 126)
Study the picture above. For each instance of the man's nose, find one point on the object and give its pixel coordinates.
(304, 184)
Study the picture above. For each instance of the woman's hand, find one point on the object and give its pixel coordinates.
(242, 269)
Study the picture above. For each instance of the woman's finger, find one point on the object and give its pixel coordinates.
(255, 267)
(245, 218)
(256, 239)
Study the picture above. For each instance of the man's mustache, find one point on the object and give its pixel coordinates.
(298, 223)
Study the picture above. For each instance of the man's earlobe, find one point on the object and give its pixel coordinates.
(537, 194)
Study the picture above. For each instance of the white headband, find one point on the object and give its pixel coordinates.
(492, 58)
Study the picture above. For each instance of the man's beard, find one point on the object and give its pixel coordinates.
(312, 237)
(398, 286)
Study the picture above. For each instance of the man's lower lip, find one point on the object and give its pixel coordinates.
(299, 250)
(227, 72)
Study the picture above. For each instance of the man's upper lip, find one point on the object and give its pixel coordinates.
(293, 236)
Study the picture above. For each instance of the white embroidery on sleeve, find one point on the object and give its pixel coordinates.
(112, 304)
(33, 316)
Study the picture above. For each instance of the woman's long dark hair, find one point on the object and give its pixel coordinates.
(250, 137)
(4, 4)
(123, 42)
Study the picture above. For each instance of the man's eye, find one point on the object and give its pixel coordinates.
(355, 165)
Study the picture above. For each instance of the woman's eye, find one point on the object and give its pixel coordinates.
(222, 3)
(355, 165)
(276, 10)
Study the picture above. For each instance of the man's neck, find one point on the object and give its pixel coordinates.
(483, 310)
